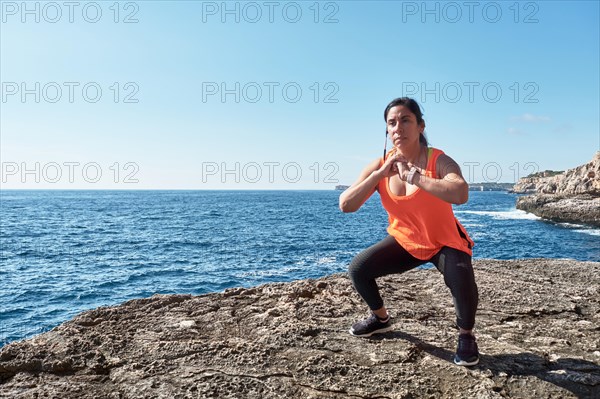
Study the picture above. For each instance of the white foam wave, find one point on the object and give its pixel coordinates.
(326, 260)
(592, 232)
(569, 225)
(268, 273)
(473, 225)
(503, 215)
(581, 229)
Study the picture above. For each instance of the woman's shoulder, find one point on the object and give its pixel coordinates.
(435, 151)
(443, 162)
(433, 157)
(440, 155)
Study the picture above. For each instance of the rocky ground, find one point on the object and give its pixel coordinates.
(538, 330)
(572, 196)
(581, 209)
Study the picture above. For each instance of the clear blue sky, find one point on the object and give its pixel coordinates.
(289, 95)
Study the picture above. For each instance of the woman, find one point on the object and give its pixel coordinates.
(417, 185)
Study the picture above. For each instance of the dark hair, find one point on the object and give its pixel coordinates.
(414, 107)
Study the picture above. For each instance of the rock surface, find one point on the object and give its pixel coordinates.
(572, 196)
(538, 331)
(577, 209)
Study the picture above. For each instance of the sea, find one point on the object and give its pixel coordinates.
(64, 252)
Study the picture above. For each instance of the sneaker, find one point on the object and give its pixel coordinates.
(467, 353)
(369, 326)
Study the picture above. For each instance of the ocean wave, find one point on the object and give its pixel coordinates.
(515, 214)
(326, 260)
(469, 225)
(592, 232)
(284, 271)
(570, 225)
(581, 228)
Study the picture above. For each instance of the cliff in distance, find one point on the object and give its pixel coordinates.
(572, 196)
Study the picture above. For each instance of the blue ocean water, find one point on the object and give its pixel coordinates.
(63, 252)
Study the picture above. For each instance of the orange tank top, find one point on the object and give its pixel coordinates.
(420, 222)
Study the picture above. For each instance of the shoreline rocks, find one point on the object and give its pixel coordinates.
(572, 196)
(577, 209)
(538, 330)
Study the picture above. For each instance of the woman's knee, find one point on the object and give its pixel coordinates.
(457, 268)
(357, 268)
(450, 261)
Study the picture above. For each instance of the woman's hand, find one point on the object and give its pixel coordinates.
(407, 170)
(393, 165)
(397, 164)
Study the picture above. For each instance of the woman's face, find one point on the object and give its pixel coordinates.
(402, 127)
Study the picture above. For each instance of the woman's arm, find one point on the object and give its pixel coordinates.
(359, 192)
(450, 186)
(366, 184)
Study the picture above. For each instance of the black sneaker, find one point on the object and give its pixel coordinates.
(467, 353)
(371, 325)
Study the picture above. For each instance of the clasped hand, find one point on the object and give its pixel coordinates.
(397, 164)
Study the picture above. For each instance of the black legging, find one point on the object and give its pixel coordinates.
(388, 257)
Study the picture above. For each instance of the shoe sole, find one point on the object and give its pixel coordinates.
(465, 363)
(380, 331)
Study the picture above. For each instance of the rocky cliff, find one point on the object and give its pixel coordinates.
(572, 196)
(538, 330)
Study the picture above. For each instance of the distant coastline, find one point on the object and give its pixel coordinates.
(491, 186)
(472, 187)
